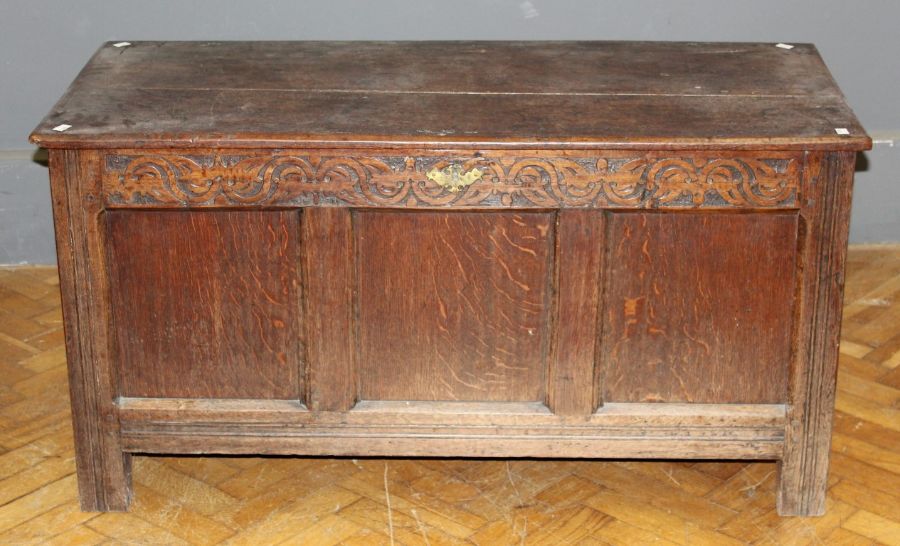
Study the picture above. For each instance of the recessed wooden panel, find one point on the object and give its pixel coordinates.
(453, 306)
(206, 304)
(698, 307)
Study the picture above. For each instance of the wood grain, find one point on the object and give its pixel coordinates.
(594, 94)
(525, 417)
(207, 500)
(572, 388)
(453, 306)
(471, 66)
(825, 219)
(519, 179)
(234, 441)
(206, 303)
(698, 307)
(660, 225)
(329, 279)
(104, 470)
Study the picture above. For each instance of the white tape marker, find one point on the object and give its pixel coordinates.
(121, 44)
(841, 131)
(784, 46)
(63, 127)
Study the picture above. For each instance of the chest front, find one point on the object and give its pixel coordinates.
(441, 262)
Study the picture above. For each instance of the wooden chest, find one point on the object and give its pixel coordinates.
(585, 249)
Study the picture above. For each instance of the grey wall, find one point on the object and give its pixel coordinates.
(45, 43)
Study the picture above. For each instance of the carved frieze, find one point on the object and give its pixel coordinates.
(298, 179)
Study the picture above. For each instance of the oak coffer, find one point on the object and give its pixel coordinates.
(523, 249)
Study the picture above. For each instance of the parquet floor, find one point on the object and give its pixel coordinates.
(200, 500)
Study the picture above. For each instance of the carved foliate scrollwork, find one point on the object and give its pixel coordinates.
(394, 181)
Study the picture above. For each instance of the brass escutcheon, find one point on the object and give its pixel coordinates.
(452, 178)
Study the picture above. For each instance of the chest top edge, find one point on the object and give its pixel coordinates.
(551, 95)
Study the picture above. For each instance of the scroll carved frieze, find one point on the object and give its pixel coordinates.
(286, 179)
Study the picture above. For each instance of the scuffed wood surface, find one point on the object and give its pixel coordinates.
(453, 306)
(373, 320)
(104, 470)
(572, 382)
(206, 304)
(698, 307)
(329, 279)
(608, 94)
(826, 220)
(513, 178)
(262, 500)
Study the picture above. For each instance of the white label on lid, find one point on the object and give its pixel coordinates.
(121, 44)
(841, 131)
(63, 127)
(784, 46)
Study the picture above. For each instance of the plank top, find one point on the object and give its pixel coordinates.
(608, 95)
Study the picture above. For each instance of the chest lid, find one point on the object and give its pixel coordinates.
(638, 95)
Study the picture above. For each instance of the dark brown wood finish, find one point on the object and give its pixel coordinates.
(589, 249)
(104, 469)
(825, 221)
(667, 68)
(211, 310)
(328, 279)
(453, 306)
(698, 307)
(449, 428)
(539, 179)
(572, 388)
(599, 94)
